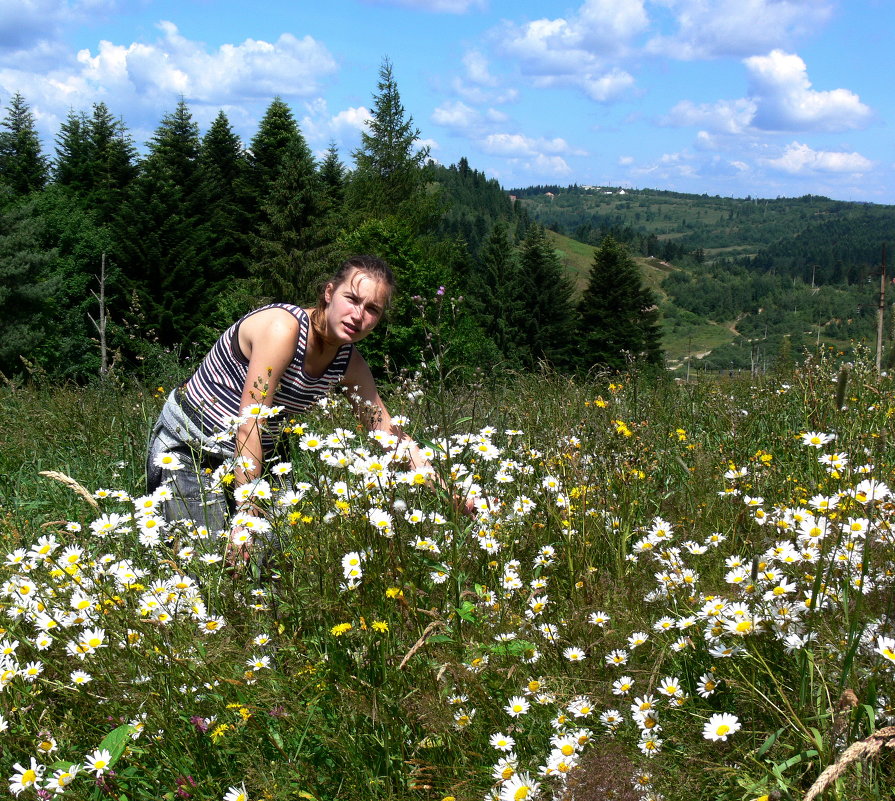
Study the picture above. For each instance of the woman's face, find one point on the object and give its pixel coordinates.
(354, 307)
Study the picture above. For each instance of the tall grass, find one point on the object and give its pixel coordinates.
(696, 515)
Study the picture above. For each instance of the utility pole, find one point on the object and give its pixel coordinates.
(881, 313)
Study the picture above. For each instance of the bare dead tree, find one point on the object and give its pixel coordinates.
(100, 322)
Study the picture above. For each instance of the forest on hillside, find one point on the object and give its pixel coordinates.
(744, 281)
(116, 259)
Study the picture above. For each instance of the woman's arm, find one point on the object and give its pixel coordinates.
(268, 340)
(370, 408)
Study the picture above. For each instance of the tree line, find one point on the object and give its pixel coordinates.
(201, 228)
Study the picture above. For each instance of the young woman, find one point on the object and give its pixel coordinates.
(279, 355)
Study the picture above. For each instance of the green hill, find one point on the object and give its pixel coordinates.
(738, 280)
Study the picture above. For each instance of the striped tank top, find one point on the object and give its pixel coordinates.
(215, 389)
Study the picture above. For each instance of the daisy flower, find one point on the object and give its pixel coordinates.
(236, 794)
(517, 706)
(502, 742)
(721, 726)
(98, 761)
(25, 777)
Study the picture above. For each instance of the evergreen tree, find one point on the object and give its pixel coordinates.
(388, 178)
(224, 200)
(290, 246)
(23, 167)
(71, 167)
(26, 284)
(95, 159)
(548, 314)
(269, 148)
(112, 162)
(163, 237)
(499, 302)
(619, 315)
(332, 178)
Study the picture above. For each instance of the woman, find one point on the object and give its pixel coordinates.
(279, 355)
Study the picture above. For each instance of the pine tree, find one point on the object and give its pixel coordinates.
(499, 302)
(548, 314)
(290, 245)
(164, 239)
(332, 178)
(23, 167)
(388, 178)
(71, 167)
(224, 200)
(269, 147)
(112, 162)
(619, 315)
(26, 285)
(95, 158)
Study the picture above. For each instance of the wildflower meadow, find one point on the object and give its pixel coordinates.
(667, 590)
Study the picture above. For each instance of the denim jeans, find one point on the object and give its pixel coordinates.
(192, 498)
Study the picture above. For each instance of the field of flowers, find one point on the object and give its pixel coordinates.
(667, 591)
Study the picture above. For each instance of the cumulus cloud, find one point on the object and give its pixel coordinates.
(736, 27)
(289, 66)
(519, 145)
(725, 116)
(800, 159)
(144, 79)
(477, 84)
(780, 99)
(27, 23)
(580, 51)
(320, 126)
(434, 6)
(785, 100)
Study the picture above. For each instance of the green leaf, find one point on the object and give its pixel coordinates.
(801, 756)
(766, 745)
(466, 611)
(116, 741)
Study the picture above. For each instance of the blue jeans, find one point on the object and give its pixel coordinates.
(192, 499)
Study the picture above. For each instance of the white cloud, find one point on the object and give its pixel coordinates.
(457, 115)
(143, 80)
(519, 145)
(477, 84)
(713, 28)
(25, 23)
(435, 6)
(780, 99)
(785, 100)
(799, 159)
(580, 51)
(725, 116)
(320, 127)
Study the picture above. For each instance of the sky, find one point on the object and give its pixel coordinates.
(761, 98)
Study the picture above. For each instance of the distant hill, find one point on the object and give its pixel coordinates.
(741, 282)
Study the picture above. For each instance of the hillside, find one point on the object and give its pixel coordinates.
(739, 281)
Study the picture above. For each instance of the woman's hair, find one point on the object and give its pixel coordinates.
(371, 266)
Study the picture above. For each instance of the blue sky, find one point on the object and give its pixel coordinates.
(731, 97)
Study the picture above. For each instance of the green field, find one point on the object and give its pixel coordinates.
(670, 589)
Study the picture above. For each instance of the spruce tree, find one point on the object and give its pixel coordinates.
(26, 286)
(388, 178)
(618, 314)
(224, 200)
(499, 296)
(112, 162)
(290, 245)
(548, 313)
(23, 167)
(71, 166)
(163, 236)
(269, 147)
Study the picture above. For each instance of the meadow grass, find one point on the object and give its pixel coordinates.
(668, 590)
